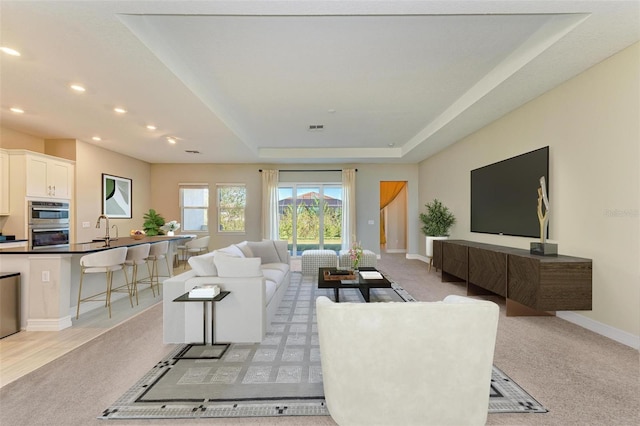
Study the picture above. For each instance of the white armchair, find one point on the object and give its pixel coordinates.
(415, 363)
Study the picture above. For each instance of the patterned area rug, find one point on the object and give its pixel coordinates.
(279, 377)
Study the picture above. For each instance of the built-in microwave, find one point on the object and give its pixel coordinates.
(48, 212)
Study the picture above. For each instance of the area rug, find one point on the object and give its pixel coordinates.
(281, 376)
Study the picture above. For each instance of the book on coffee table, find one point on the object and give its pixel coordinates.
(371, 275)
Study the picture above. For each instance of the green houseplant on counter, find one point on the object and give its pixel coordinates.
(153, 223)
(436, 223)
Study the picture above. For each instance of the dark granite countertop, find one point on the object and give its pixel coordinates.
(11, 241)
(90, 247)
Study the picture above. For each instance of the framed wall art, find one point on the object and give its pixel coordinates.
(116, 196)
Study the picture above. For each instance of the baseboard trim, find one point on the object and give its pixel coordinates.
(605, 330)
(424, 259)
(396, 250)
(49, 324)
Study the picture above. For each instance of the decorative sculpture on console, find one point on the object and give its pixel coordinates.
(543, 248)
(543, 218)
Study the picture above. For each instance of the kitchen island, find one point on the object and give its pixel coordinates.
(50, 279)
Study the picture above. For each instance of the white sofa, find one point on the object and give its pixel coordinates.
(257, 276)
(418, 363)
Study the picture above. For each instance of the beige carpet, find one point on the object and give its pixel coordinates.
(581, 377)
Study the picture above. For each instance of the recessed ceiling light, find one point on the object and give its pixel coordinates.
(151, 127)
(120, 110)
(171, 140)
(97, 138)
(17, 110)
(78, 88)
(10, 51)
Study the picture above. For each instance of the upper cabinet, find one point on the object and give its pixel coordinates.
(42, 175)
(4, 183)
(47, 177)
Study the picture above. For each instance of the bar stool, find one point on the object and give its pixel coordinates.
(157, 251)
(197, 246)
(181, 251)
(107, 262)
(136, 255)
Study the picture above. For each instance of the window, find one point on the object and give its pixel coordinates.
(232, 201)
(310, 216)
(194, 205)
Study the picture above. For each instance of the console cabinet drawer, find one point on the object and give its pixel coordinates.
(488, 269)
(454, 260)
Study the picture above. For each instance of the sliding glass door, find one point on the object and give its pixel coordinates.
(310, 216)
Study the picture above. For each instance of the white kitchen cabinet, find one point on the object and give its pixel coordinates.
(47, 177)
(4, 183)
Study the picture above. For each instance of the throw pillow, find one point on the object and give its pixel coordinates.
(232, 250)
(282, 247)
(265, 250)
(203, 265)
(229, 267)
(244, 248)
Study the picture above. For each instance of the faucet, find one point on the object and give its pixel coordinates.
(115, 226)
(106, 218)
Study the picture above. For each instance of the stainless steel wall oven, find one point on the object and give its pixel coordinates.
(48, 224)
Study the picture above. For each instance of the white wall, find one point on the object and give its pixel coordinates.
(166, 177)
(591, 124)
(91, 163)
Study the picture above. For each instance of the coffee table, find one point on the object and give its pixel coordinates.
(360, 283)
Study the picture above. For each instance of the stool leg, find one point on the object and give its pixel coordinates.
(134, 272)
(169, 269)
(108, 298)
(79, 294)
(126, 279)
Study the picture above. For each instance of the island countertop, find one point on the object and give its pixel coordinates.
(91, 247)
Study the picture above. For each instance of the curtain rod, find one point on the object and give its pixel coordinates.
(302, 171)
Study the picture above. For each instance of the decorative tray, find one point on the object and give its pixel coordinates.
(339, 275)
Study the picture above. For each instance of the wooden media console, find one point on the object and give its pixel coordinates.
(531, 284)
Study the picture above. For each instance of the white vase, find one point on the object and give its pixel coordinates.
(430, 244)
(170, 233)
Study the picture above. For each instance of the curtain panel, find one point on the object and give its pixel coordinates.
(270, 204)
(348, 207)
(388, 192)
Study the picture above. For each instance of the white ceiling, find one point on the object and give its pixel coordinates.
(241, 82)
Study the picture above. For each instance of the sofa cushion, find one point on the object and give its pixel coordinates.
(203, 265)
(270, 289)
(278, 266)
(273, 275)
(229, 266)
(265, 250)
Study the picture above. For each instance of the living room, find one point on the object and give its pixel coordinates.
(589, 122)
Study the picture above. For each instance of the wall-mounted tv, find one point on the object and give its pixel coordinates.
(504, 195)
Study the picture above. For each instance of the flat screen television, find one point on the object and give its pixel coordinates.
(504, 195)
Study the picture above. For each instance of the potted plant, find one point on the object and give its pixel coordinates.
(436, 223)
(153, 223)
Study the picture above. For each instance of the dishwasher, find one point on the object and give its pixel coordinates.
(9, 303)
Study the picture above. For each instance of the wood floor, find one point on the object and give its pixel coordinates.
(24, 352)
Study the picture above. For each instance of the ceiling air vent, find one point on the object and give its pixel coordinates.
(191, 151)
(316, 127)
